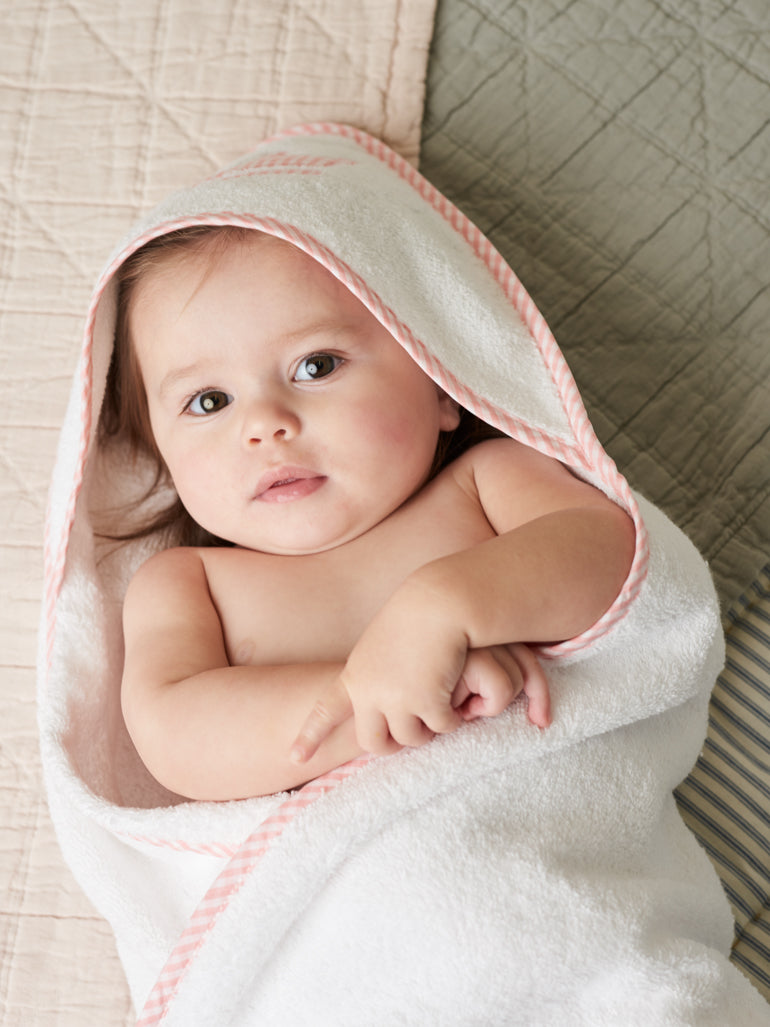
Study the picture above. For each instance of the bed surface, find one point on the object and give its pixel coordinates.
(624, 177)
(616, 152)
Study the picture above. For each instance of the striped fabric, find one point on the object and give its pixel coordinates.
(726, 798)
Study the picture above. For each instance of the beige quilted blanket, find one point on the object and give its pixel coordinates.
(104, 108)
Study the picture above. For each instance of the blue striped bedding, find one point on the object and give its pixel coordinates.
(726, 798)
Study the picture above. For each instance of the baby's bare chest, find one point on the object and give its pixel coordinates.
(279, 609)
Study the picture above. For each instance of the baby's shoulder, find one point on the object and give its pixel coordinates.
(515, 483)
(494, 457)
(180, 567)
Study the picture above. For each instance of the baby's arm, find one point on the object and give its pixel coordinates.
(205, 729)
(560, 555)
(561, 552)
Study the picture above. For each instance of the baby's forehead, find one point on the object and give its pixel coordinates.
(218, 247)
(194, 254)
(198, 246)
(242, 270)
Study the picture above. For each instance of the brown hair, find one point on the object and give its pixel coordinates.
(125, 414)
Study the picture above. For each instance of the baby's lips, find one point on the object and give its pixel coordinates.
(285, 484)
(277, 477)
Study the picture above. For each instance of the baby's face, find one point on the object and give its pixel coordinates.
(290, 420)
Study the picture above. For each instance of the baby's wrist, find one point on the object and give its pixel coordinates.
(437, 590)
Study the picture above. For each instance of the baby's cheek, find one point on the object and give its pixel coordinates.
(396, 428)
(197, 485)
(394, 433)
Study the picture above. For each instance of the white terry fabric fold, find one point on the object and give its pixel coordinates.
(498, 875)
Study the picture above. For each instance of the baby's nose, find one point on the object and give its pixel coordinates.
(270, 419)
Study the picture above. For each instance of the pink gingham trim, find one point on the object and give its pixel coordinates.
(226, 885)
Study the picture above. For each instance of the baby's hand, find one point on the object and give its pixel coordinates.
(411, 676)
(492, 678)
(398, 681)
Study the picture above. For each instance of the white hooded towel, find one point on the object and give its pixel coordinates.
(500, 875)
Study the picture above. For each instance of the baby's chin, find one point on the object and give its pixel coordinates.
(291, 531)
(301, 546)
(289, 549)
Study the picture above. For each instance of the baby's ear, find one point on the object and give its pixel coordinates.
(449, 411)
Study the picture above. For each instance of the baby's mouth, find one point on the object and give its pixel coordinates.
(283, 485)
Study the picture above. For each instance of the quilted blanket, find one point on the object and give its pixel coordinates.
(617, 153)
(104, 108)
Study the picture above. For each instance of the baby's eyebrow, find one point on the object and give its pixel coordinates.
(324, 327)
(174, 378)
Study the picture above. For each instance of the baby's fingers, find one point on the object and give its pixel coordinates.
(333, 709)
(535, 685)
(383, 737)
(491, 680)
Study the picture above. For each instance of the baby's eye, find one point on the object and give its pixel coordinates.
(208, 403)
(317, 365)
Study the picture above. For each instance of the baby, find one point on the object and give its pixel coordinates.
(367, 601)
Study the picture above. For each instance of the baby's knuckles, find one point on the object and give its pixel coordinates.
(493, 678)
